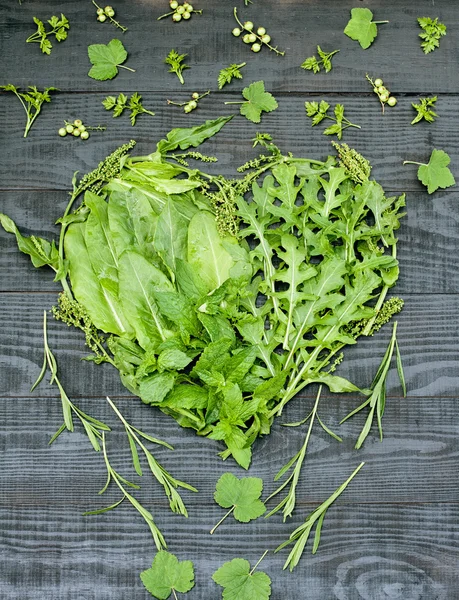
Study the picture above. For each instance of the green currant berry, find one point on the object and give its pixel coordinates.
(384, 97)
(236, 32)
(256, 48)
(180, 10)
(81, 128)
(101, 18)
(378, 82)
(84, 135)
(173, 4)
(186, 15)
(76, 132)
(62, 131)
(195, 95)
(187, 108)
(108, 9)
(176, 17)
(193, 104)
(246, 39)
(100, 11)
(261, 31)
(252, 38)
(69, 128)
(266, 38)
(392, 101)
(77, 122)
(188, 7)
(382, 90)
(248, 25)
(110, 13)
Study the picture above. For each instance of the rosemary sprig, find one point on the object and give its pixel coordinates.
(169, 483)
(94, 428)
(119, 480)
(301, 535)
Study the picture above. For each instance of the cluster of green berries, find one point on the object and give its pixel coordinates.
(181, 11)
(103, 13)
(191, 104)
(77, 129)
(383, 93)
(256, 39)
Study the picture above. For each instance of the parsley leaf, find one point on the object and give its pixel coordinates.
(425, 110)
(435, 174)
(240, 582)
(168, 575)
(241, 496)
(315, 65)
(34, 100)
(318, 112)
(432, 32)
(258, 101)
(226, 75)
(106, 59)
(59, 28)
(175, 60)
(121, 103)
(362, 28)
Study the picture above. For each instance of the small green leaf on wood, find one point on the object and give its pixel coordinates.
(257, 101)
(168, 575)
(362, 28)
(435, 174)
(239, 582)
(106, 59)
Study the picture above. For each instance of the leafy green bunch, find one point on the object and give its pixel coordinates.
(221, 331)
(59, 28)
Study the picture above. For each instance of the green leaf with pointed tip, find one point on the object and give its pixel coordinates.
(187, 137)
(258, 101)
(240, 583)
(106, 58)
(168, 574)
(361, 27)
(244, 494)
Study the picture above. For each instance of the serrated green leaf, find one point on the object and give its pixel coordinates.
(436, 173)
(361, 27)
(106, 58)
(167, 575)
(242, 494)
(241, 583)
(258, 101)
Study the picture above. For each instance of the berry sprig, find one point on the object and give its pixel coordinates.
(258, 39)
(191, 104)
(180, 11)
(382, 92)
(78, 129)
(108, 13)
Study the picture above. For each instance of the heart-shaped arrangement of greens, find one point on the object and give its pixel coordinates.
(218, 300)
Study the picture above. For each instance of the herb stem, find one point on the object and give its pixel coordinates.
(212, 531)
(127, 68)
(412, 162)
(264, 554)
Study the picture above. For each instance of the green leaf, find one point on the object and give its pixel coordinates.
(167, 575)
(155, 388)
(361, 27)
(436, 173)
(242, 494)
(226, 75)
(258, 101)
(188, 137)
(241, 583)
(206, 251)
(106, 58)
(171, 236)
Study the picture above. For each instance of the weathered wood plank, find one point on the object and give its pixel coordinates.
(45, 161)
(427, 250)
(395, 55)
(417, 460)
(428, 332)
(372, 552)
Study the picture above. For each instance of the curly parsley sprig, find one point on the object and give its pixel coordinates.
(177, 66)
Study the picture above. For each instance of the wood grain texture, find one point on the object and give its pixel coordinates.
(45, 161)
(394, 533)
(294, 25)
(428, 241)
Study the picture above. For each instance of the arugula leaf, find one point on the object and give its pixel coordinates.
(425, 110)
(241, 496)
(239, 582)
(226, 75)
(435, 174)
(177, 66)
(168, 575)
(432, 32)
(257, 101)
(361, 27)
(106, 59)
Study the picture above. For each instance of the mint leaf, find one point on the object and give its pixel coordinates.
(241, 583)
(361, 27)
(106, 59)
(168, 575)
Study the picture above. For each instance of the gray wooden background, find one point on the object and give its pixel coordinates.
(394, 534)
